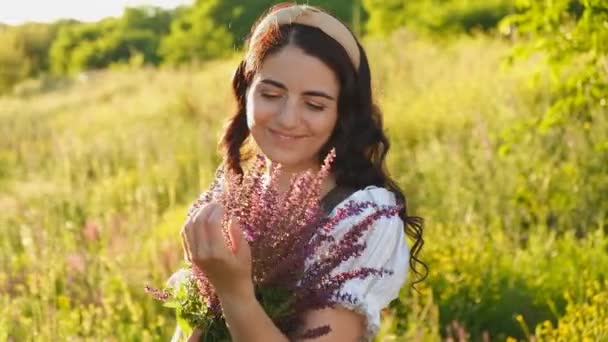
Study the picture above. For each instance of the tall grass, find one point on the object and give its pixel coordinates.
(96, 175)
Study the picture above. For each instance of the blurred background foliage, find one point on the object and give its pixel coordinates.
(497, 113)
(209, 29)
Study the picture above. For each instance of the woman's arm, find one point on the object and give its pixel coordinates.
(247, 321)
(345, 324)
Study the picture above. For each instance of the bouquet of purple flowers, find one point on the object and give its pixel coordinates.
(294, 254)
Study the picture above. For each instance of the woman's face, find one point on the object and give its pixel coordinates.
(292, 107)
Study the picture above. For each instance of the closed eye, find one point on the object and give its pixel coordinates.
(315, 107)
(270, 95)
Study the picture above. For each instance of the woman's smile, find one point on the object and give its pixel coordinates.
(281, 137)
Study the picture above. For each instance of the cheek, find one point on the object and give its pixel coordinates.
(258, 112)
(325, 125)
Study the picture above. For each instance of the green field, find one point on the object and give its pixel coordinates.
(96, 174)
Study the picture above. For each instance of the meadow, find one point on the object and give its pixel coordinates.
(97, 172)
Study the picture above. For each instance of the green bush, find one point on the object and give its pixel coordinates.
(24, 52)
(195, 35)
(571, 39)
(98, 45)
(434, 16)
(585, 320)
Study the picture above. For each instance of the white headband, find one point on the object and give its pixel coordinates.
(310, 16)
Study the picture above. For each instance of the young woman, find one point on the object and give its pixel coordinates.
(303, 88)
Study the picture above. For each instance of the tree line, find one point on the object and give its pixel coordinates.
(210, 29)
(205, 30)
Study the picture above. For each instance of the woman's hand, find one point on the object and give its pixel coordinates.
(195, 336)
(228, 268)
(226, 264)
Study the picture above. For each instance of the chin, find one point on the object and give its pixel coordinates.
(296, 155)
(289, 159)
(285, 158)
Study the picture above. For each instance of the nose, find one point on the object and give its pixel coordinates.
(287, 117)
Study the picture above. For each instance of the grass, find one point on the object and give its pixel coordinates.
(96, 175)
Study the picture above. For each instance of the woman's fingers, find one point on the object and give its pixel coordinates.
(205, 242)
(203, 234)
(209, 249)
(190, 239)
(198, 230)
(195, 336)
(216, 244)
(236, 236)
(185, 244)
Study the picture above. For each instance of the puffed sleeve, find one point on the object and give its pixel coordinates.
(386, 248)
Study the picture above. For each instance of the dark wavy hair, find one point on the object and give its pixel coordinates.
(358, 137)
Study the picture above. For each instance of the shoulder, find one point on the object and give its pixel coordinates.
(368, 204)
(385, 248)
(364, 204)
(368, 200)
(375, 194)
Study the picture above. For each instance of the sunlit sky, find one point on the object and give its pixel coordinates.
(19, 11)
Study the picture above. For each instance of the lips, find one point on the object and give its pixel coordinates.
(284, 136)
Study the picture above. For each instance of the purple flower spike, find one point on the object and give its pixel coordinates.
(294, 252)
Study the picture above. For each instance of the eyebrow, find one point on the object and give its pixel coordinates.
(308, 92)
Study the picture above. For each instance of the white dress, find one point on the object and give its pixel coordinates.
(386, 247)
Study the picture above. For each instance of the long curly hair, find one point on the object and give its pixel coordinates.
(358, 138)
